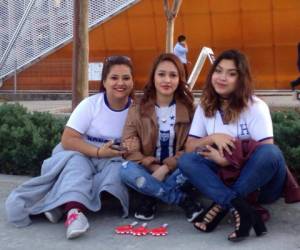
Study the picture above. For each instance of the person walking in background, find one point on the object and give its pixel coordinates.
(181, 50)
(160, 122)
(297, 81)
(86, 162)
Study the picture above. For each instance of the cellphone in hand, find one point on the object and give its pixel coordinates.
(201, 149)
(118, 147)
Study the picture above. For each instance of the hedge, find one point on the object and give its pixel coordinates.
(26, 139)
(286, 126)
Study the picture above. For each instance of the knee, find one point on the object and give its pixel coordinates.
(184, 162)
(125, 172)
(128, 172)
(271, 153)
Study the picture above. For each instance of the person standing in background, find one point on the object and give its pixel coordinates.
(297, 81)
(181, 50)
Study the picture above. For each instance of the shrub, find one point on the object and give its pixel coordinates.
(287, 136)
(26, 139)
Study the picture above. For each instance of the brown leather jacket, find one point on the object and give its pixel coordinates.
(143, 124)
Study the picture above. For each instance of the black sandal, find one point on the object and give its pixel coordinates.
(245, 218)
(210, 218)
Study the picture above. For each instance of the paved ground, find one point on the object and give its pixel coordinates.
(284, 231)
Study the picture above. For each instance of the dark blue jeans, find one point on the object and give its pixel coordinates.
(265, 171)
(137, 177)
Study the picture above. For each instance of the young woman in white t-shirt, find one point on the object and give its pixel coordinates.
(229, 111)
(160, 122)
(92, 129)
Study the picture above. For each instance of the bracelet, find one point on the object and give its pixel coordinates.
(98, 152)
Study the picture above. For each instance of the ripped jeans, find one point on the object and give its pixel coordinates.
(169, 191)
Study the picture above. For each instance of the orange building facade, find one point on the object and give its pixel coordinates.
(266, 30)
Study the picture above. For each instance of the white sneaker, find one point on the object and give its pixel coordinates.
(54, 215)
(76, 223)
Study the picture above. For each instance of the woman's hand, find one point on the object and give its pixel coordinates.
(107, 151)
(161, 172)
(213, 154)
(223, 142)
(132, 144)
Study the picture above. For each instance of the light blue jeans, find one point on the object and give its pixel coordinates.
(265, 171)
(169, 191)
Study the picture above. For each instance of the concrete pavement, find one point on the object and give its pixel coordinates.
(284, 230)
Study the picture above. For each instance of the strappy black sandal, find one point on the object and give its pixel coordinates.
(210, 218)
(245, 218)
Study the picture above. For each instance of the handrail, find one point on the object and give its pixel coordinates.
(203, 55)
(15, 35)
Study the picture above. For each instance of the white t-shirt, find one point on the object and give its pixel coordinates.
(166, 117)
(181, 52)
(96, 121)
(254, 123)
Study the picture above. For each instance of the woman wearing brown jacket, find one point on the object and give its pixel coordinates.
(160, 122)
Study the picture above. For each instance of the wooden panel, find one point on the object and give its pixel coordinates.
(226, 29)
(286, 69)
(261, 60)
(224, 5)
(116, 33)
(142, 60)
(195, 7)
(143, 8)
(142, 40)
(97, 39)
(287, 26)
(257, 28)
(256, 5)
(199, 34)
(286, 4)
(160, 27)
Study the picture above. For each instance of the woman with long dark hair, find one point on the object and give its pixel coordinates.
(230, 115)
(160, 122)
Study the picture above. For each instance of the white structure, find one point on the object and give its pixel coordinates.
(31, 29)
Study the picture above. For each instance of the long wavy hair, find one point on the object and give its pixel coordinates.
(182, 93)
(111, 61)
(239, 98)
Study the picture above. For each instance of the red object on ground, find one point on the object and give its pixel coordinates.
(125, 229)
(159, 231)
(140, 231)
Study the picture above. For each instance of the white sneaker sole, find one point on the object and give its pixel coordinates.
(77, 233)
(53, 216)
(142, 217)
(195, 215)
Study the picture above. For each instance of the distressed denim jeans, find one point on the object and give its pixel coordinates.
(137, 177)
(265, 171)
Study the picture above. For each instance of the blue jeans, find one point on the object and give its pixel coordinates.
(169, 191)
(265, 171)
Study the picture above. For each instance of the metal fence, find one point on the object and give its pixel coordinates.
(31, 29)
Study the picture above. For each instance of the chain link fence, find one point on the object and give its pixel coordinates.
(31, 29)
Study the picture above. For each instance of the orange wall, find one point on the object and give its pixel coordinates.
(266, 30)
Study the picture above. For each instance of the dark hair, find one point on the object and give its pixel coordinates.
(109, 62)
(238, 100)
(182, 92)
(181, 38)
